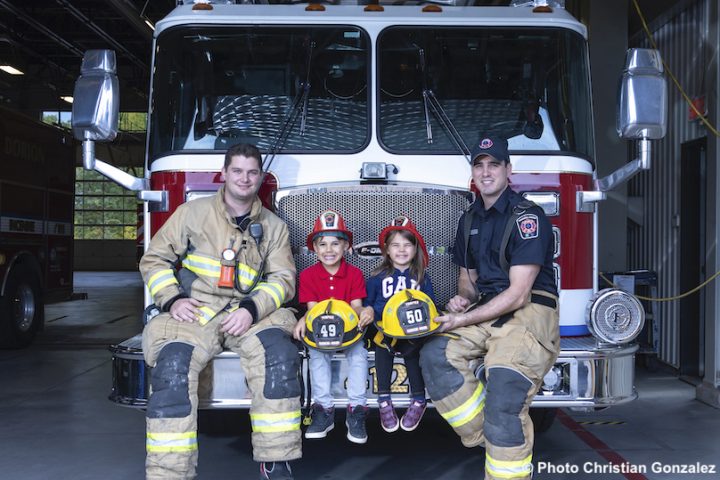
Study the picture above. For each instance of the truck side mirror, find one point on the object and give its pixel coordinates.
(642, 97)
(96, 99)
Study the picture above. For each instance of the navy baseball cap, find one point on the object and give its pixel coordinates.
(496, 147)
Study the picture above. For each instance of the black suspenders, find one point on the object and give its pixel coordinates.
(517, 211)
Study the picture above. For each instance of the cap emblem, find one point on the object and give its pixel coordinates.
(486, 143)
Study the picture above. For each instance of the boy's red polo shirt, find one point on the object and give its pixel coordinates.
(316, 284)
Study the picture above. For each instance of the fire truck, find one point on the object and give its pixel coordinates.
(369, 110)
(37, 188)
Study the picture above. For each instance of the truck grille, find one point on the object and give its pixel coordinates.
(367, 210)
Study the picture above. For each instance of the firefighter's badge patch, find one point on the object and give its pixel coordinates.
(528, 226)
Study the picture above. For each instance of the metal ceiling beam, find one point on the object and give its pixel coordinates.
(130, 14)
(100, 32)
(17, 44)
(40, 27)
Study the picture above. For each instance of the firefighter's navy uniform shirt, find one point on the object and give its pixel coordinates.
(530, 243)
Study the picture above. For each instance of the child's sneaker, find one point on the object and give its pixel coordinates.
(388, 418)
(414, 414)
(276, 470)
(355, 423)
(322, 421)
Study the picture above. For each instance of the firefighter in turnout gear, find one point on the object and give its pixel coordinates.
(235, 272)
(505, 310)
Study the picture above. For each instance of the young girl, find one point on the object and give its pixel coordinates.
(405, 259)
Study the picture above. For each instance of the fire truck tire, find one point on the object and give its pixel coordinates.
(542, 418)
(21, 308)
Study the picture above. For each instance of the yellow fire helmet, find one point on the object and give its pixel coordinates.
(331, 325)
(409, 313)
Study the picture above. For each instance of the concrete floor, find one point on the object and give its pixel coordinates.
(57, 422)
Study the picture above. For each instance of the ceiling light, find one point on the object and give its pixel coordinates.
(11, 70)
(68, 99)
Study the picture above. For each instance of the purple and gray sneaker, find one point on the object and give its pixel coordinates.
(388, 418)
(414, 414)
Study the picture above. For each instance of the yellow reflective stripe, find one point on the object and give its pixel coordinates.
(275, 290)
(275, 422)
(245, 274)
(171, 442)
(202, 265)
(508, 469)
(160, 280)
(205, 314)
(468, 410)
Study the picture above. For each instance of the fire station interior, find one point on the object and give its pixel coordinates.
(657, 238)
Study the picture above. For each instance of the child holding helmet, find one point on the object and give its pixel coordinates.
(399, 278)
(327, 288)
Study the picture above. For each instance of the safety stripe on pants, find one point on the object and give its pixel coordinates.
(171, 442)
(468, 410)
(275, 422)
(508, 469)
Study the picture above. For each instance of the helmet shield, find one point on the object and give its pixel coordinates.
(414, 317)
(328, 331)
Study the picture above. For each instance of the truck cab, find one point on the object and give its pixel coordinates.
(370, 110)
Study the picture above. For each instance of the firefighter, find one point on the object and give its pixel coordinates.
(236, 271)
(505, 310)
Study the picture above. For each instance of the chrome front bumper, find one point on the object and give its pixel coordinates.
(592, 377)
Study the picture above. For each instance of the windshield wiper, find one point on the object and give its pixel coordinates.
(306, 89)
(425, 96)
(298, 105)
(432, 104)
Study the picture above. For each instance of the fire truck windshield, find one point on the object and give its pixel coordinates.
(214, 87)
(529, 85)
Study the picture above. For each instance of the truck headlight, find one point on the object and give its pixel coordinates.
(548, 201)
(614, 316)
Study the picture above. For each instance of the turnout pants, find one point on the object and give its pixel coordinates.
(494, 412)
(178, 351)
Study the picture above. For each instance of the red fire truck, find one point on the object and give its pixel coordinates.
(369, 110)
(37, 183)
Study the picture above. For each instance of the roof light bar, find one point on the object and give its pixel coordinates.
(539, 6)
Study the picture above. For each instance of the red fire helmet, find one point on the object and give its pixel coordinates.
(403, 222)
(329, 224)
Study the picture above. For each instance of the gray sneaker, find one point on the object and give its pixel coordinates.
(322, 421)
(275, 471)
(355, 423)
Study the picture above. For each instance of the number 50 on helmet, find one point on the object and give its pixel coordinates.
(409, 313)
(331, 325)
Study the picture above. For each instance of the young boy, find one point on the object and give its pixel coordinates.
(332, 277)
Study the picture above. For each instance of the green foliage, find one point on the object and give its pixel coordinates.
(104, 210)
(132, 121)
